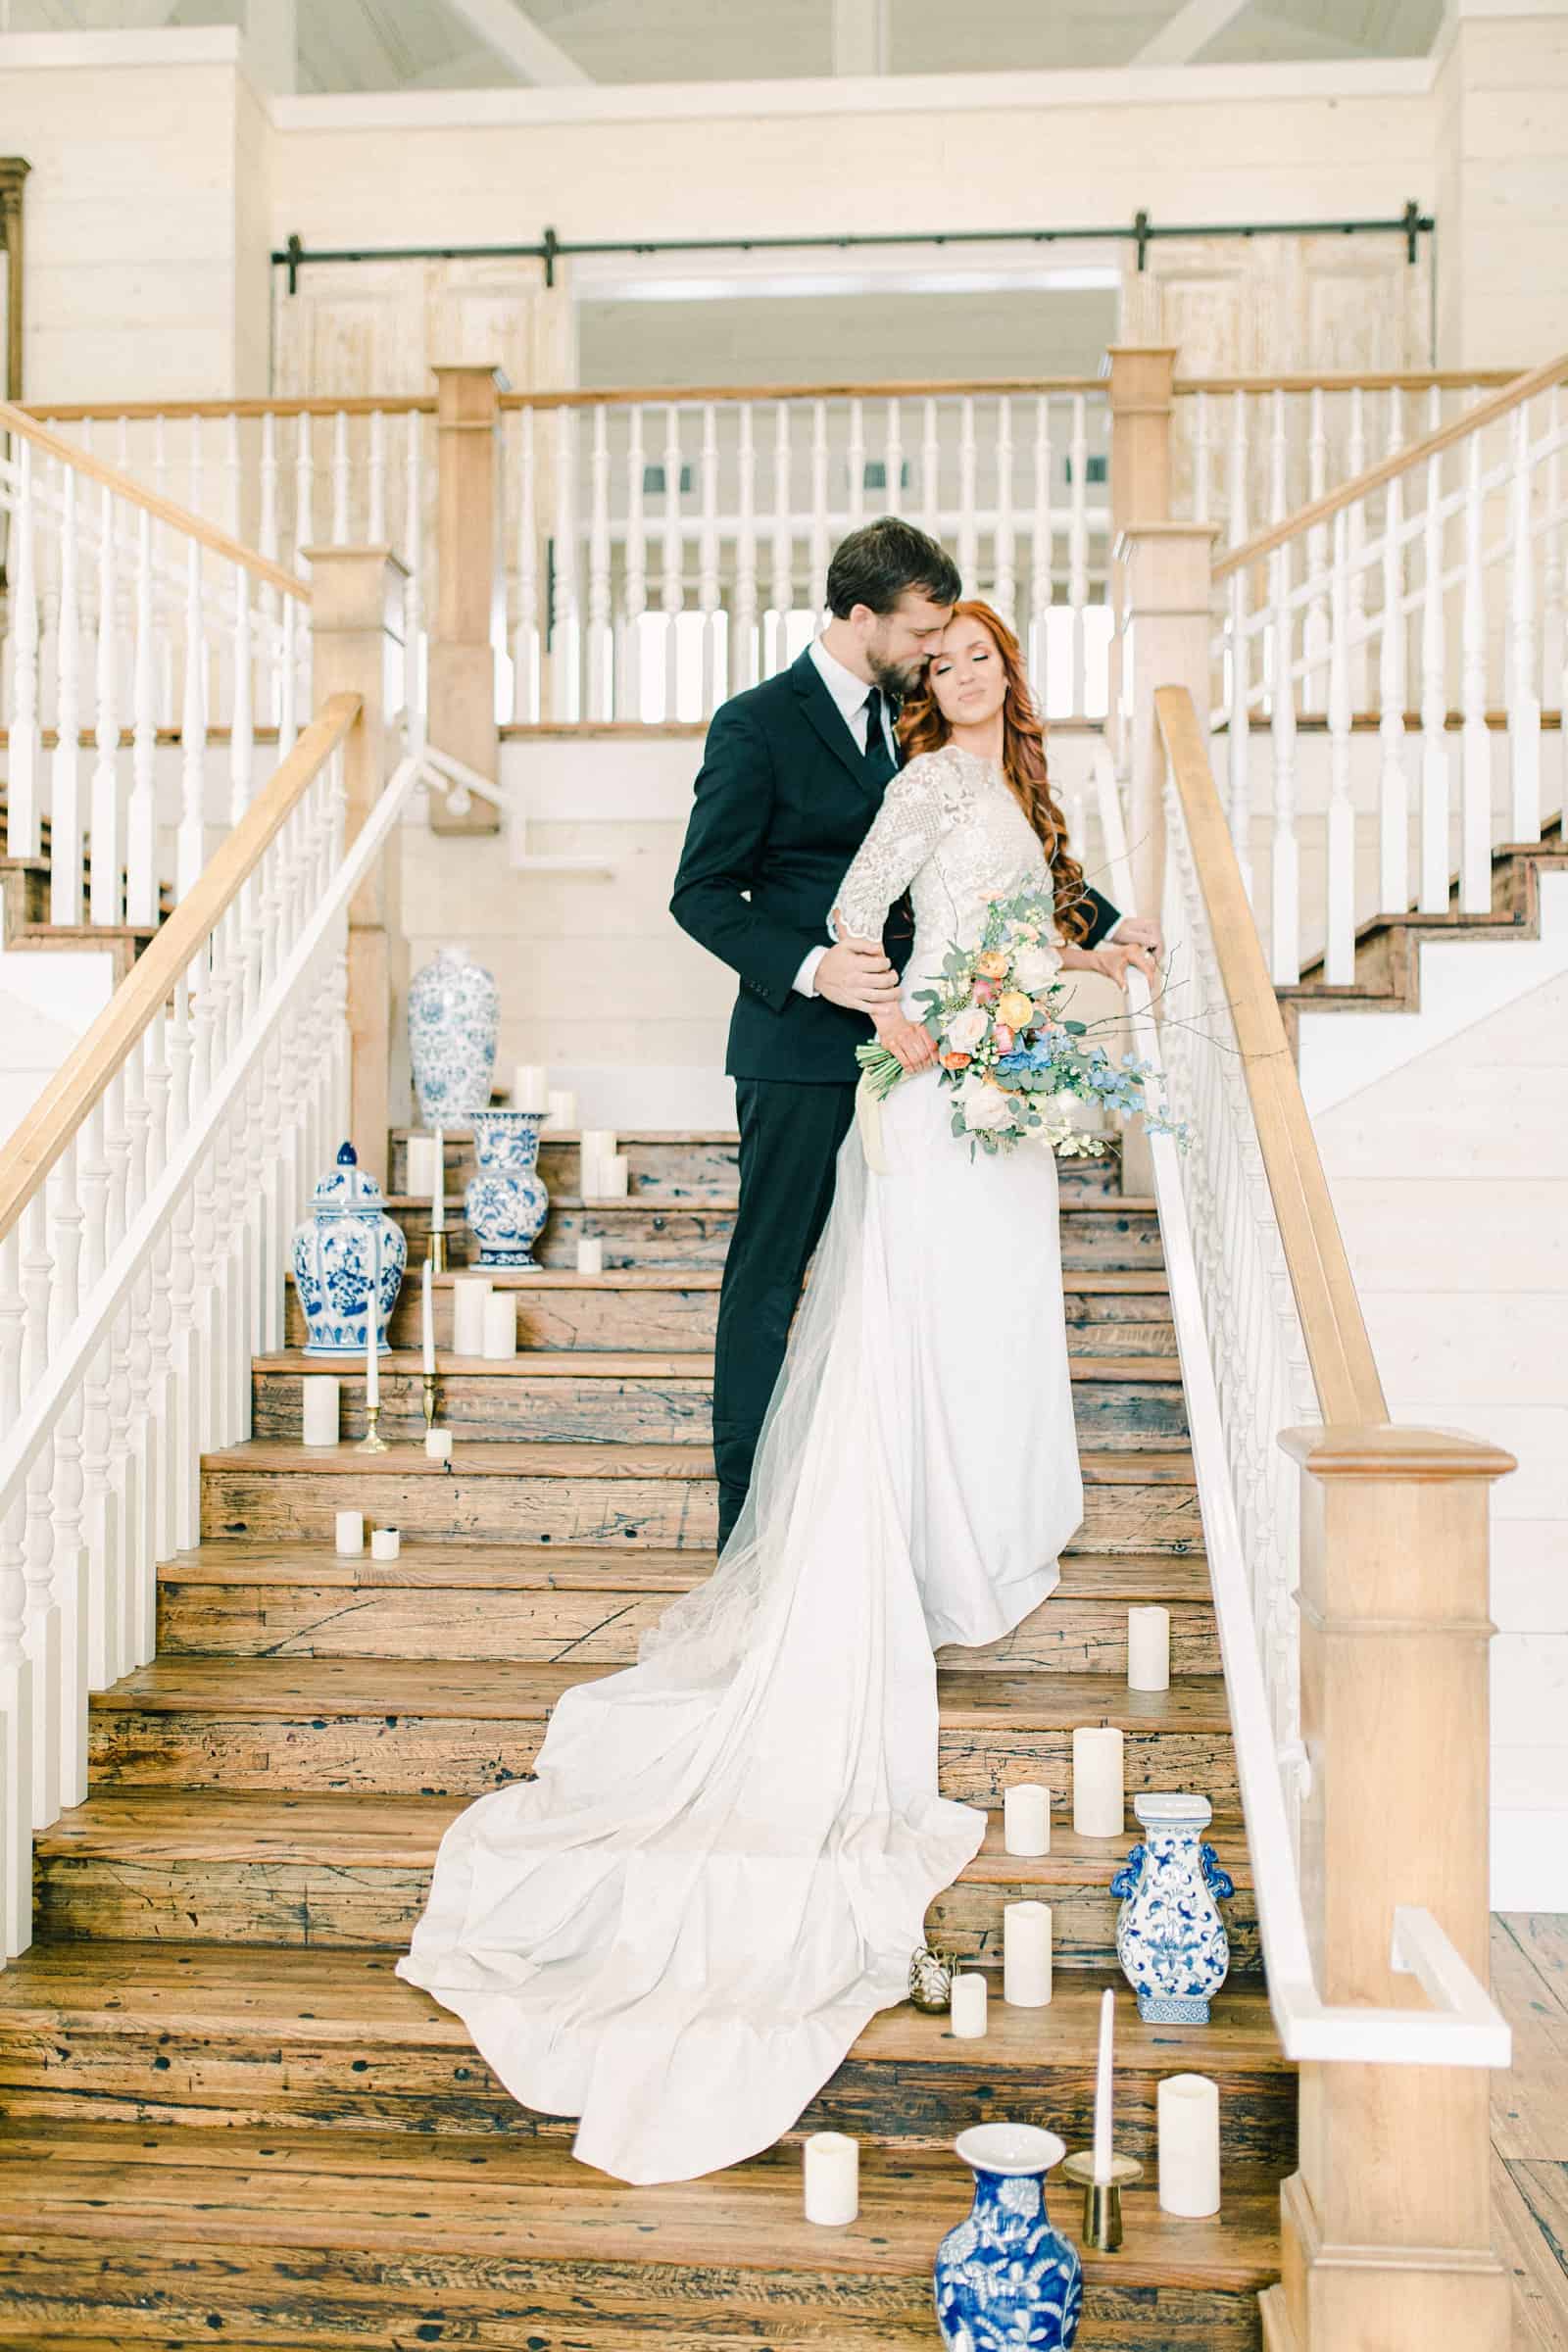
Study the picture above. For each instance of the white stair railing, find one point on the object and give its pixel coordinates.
(143, 1243)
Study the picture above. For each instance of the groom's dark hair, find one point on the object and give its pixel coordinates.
(881, 562)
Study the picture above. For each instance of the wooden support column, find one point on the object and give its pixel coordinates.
(357, 648)
(1140, 408)
(1388, 2223)
(463, 659)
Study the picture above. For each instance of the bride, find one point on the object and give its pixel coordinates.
(676, 1930)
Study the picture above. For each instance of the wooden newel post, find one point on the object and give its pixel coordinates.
(463, 656)
(357, 648)
(1387, 2224)
(1140, 404)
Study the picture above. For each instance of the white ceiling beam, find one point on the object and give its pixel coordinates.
(861, 36)
(1189, 30)
(518, 39)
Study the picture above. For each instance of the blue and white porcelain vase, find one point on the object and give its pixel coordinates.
(349, 1258)
(1170, 1938)
(1006, 2281)
(506, 1201)
(453, 1011)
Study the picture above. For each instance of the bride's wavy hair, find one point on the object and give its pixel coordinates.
(923, 728)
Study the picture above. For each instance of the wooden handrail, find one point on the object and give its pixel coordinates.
(690, 395)
(1388, 470)
(81, 1079)
(1354, 379)
(179, 518)
(1345, 1373)
(319, 404)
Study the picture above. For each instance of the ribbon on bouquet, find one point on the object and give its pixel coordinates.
(868, 1119)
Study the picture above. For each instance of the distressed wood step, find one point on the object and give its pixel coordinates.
(659, 1495)
(324, 2240)
(1110, 1233)
(1115, 1312)
(435, 1728)
(252, 2036)
(350, 1872)
(643, 1397)
(548, 1601)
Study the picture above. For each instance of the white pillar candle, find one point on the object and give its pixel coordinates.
(348, 1531)
(591, 1256)
(427, 1317)
(1149, 1649)
(385, 1543)
(530, 1086)
(469, 1300)
(1098, 1800)
(1026, 1955)
(438, 1183)
(438, 1444)
(418, 1173)
(832, 2179)
(614, 1179)
(372, 1354)
(562, 1112)
(598, 1145)
(1188, 2145)
(318, 1406)
(968, 2006)
(1103, 2139)
(500, 1325)
(1026, 1818)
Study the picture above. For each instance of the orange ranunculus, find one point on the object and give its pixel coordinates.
(993, 964)
(957, 1062)
(1015, 1009)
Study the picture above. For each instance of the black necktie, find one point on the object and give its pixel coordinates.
(880, 764)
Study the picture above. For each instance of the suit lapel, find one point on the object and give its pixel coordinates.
(823, 713)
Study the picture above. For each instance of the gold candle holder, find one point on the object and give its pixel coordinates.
(371, 1441)
(1101, 2228)
(429, 1399)
(436, 1251)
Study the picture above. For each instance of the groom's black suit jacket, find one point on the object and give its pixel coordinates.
(783, 803)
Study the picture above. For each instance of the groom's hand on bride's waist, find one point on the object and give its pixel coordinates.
(857, 974)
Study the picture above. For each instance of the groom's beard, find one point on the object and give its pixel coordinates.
(895, 682)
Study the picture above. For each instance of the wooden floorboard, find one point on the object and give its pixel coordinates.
(1530, 2124)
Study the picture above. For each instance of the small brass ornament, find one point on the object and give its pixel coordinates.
(931, 1976)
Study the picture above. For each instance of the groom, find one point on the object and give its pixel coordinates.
(792, 774)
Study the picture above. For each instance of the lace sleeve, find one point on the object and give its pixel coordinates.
(916, 812)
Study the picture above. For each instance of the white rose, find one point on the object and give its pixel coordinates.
(1035, 968)
(984, 1107)
(967, 1029)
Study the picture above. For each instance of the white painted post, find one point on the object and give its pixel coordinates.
(1475, 846)
(1434, 691)
(65, 829)
(742, 660)
(707, 558)
(1524, 698)
(1339, 959)
(24, 825)
(1393, 783)
(599, 640)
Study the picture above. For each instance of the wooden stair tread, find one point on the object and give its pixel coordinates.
(528, 2198)
(357, 1831)
(651, 1198)
(596, 1568)
(570, 1363)
(1084, 1283)
(502, 1691)
(588, 1459)
(723, 1136)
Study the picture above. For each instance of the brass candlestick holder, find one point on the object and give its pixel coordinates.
(436, 1251)
(429, 1399)
(371, 1441)
(1101, 2198)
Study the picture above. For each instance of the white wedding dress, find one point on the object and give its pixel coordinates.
(676, 1930)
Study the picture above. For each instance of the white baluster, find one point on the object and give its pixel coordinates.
(1393, 784)
(15, 1667)
(1524, 699)
(414, 695)
(525, 643)
(304, 491)
(636, 562)
(1078, 548)
(1338, 958)
(671, 584)
(69, 1566)
(194, 468)
(64, 864)
(857, 480)
(108, 841)
(1203, 457)
(190, 851)
(23, 814)
(707, 558)
(1355, 456)
(268, 540)
(1554, 587)
(231, 477)
(242, 728)
(340, 480)
(1041, 550)
(1285, 935)
(743, 666)
(781, 590)
(1435, 792)
(1004, 591)
(599, 638)
(930, 471)
(130, 1362)
(1475, 851)
(819, 510)
(186, 1348)
(893, 460)
(43, 1610)
(288, 677)
(375, 524)
(103, 1566)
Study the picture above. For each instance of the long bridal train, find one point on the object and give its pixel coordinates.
(678, 1929)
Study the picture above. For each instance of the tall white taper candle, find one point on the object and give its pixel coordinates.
(319, 1410)
(1098, 1800)
(1026, 1818)
(427, 1318)
(832, 2179)
(1026, 1955)
(1187, 2107)
(1102, 2141)
(372, 1353)
(1149, 1649)
(438, 1184)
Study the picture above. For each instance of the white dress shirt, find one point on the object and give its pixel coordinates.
(848, 696)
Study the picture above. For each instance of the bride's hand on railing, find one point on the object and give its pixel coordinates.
(910, 1041)
(1113, 963)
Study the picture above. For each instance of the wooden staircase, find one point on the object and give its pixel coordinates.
(226, 2119)
(25, 922)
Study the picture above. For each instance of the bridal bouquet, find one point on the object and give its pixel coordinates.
(1012, 1058)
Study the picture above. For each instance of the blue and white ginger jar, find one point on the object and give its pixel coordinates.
(1170, 1938)
(505, 1202)
(349, 1258)
(1006, 2281)
(454, 1013)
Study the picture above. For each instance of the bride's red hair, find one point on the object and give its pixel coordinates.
(923, 728)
